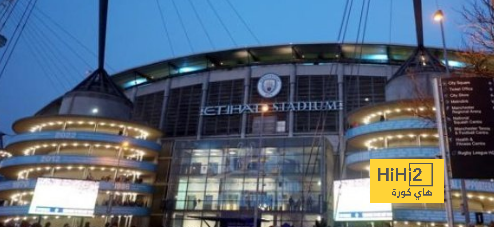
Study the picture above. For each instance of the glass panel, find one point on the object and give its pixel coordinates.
(229, 175)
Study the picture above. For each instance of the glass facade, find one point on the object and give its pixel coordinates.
(287, 180)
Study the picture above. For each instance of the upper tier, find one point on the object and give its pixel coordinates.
(85, 123)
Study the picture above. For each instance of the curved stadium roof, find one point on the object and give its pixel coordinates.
(310, 54)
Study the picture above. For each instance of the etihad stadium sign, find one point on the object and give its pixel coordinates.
(272, 107)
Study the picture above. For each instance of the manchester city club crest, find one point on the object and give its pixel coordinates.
(269, 85)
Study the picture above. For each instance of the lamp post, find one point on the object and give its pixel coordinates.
(264, 108)
(439, 17)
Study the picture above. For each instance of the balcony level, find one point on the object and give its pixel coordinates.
(87, 124)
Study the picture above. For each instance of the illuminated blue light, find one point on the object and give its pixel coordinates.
(380, 57)
(135, 82)
(457, 64)
(188, 69)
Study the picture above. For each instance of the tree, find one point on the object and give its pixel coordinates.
(479, 29)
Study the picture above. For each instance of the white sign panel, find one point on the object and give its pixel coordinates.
(54, 196)
(352, 202)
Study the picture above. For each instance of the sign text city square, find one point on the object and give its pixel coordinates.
(273, 107)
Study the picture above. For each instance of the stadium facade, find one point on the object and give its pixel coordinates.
(87, 135)
(268, 127)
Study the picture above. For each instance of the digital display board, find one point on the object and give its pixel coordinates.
(352, 202)
(64, 197)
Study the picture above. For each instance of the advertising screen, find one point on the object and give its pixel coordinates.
(54, 196)
(352, 202)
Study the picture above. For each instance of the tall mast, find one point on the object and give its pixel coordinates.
(103, 15)
(419, 28)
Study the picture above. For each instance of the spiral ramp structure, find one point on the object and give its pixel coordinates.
(406, 129)
(88, 136)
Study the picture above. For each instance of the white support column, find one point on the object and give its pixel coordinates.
(247, 84)
(341, 116)
(291, 114)
(204, 95)
(166, 95)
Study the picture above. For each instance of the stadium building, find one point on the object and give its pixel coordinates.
(267, 127)
(272, 127)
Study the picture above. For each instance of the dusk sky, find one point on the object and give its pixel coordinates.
(57, 45)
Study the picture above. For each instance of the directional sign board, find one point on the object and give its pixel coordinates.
(468, 105)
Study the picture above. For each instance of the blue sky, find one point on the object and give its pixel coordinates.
(47, 61)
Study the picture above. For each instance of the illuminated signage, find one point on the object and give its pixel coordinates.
(407, 181)
(273, 107)
(351, 202)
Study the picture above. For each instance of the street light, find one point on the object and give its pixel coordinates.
(264, 109)
(439, 17)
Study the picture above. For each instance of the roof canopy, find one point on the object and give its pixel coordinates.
(306, 54)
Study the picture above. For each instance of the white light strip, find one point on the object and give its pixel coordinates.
(367, 119)
(143, 133)
(370, 146)
(32, 148)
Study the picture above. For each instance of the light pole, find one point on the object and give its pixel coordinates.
(439, 17)
(442, 147)
(264, 108)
